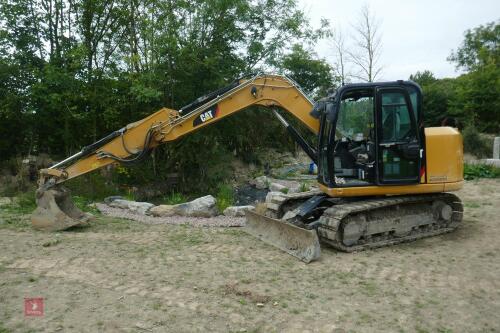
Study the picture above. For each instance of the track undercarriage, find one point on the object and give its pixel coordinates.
(358, 224)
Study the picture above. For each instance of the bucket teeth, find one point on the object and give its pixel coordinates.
(56, 211)
(299, 242)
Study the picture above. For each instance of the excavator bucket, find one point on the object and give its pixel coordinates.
(56, 211)
(299, 242)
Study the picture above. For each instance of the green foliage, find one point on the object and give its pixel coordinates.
(423, 78)
(174, 198)
(285, 190)
(65, 83)
(24, 203)
(474, 171)
(225, 197)
(303, 187)
(474, 97)
(314, 75)
(83, 204)
(474, 143)
(479, 48)
(93, 187)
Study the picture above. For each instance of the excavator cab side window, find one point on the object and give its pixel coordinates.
(354, 143)
(398, 139)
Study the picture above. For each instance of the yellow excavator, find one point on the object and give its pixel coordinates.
(383, 178)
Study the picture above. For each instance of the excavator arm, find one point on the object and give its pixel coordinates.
(134, 141)
(55, 210)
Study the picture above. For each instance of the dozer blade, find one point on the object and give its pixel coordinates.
(299, 242)
(55, 211)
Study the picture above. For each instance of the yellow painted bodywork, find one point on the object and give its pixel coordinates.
(271, 91)
(359, 191)
(444, 154)
(444, 169)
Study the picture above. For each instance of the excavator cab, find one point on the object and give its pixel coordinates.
(371, 136)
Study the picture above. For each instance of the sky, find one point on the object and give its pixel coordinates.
(416, 35)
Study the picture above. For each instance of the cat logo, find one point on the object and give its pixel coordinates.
(205, 116)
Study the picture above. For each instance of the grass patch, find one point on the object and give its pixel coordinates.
(51, 242)
(83, 204)
(285, 190)
(174, 198)
(3, 329)
(24, 204)
(225, 197)
(472, 205)
(475, 171)
(303, 187)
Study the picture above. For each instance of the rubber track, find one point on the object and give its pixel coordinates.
(332, 219)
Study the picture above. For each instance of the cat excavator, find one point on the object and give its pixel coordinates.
(383, 177)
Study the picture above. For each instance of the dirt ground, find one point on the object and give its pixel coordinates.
(119, 275)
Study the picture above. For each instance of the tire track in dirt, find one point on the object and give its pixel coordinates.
(83, 271)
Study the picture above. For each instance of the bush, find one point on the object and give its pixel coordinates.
(474, 171)
(174, 198)
(284, 190)
(475, 144)
(26, 201)
(225, 197)
(92, 186)
(303, 187)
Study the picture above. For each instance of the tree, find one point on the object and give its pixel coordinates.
(368, 46)
(314, 75)
(479, 48)
(439, 95)
(423, 78)
(74, 70)
(340, 54)
(478, 91)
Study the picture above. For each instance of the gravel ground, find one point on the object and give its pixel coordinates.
(218, 221)
(118, 275)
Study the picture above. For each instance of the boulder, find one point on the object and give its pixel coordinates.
(5, 201)
(133, 206)
(201, 207)
(275, 187)
(162, 210)
(271, 195)
(112, 198)
(237, 211)
(261, 182)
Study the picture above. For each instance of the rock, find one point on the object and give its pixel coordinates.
(133, 206)
(201, 207)
(112, 198)
(237, 211)
(271, 195)
(261, 182)
(260, 305)
(162, 210)
(5, 201)
(275, 187)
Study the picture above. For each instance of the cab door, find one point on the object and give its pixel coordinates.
(398, 143)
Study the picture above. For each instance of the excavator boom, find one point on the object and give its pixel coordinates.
(134, 141)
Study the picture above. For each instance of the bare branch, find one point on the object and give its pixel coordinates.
(369, 45)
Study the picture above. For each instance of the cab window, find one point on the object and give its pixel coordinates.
(396, 121)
